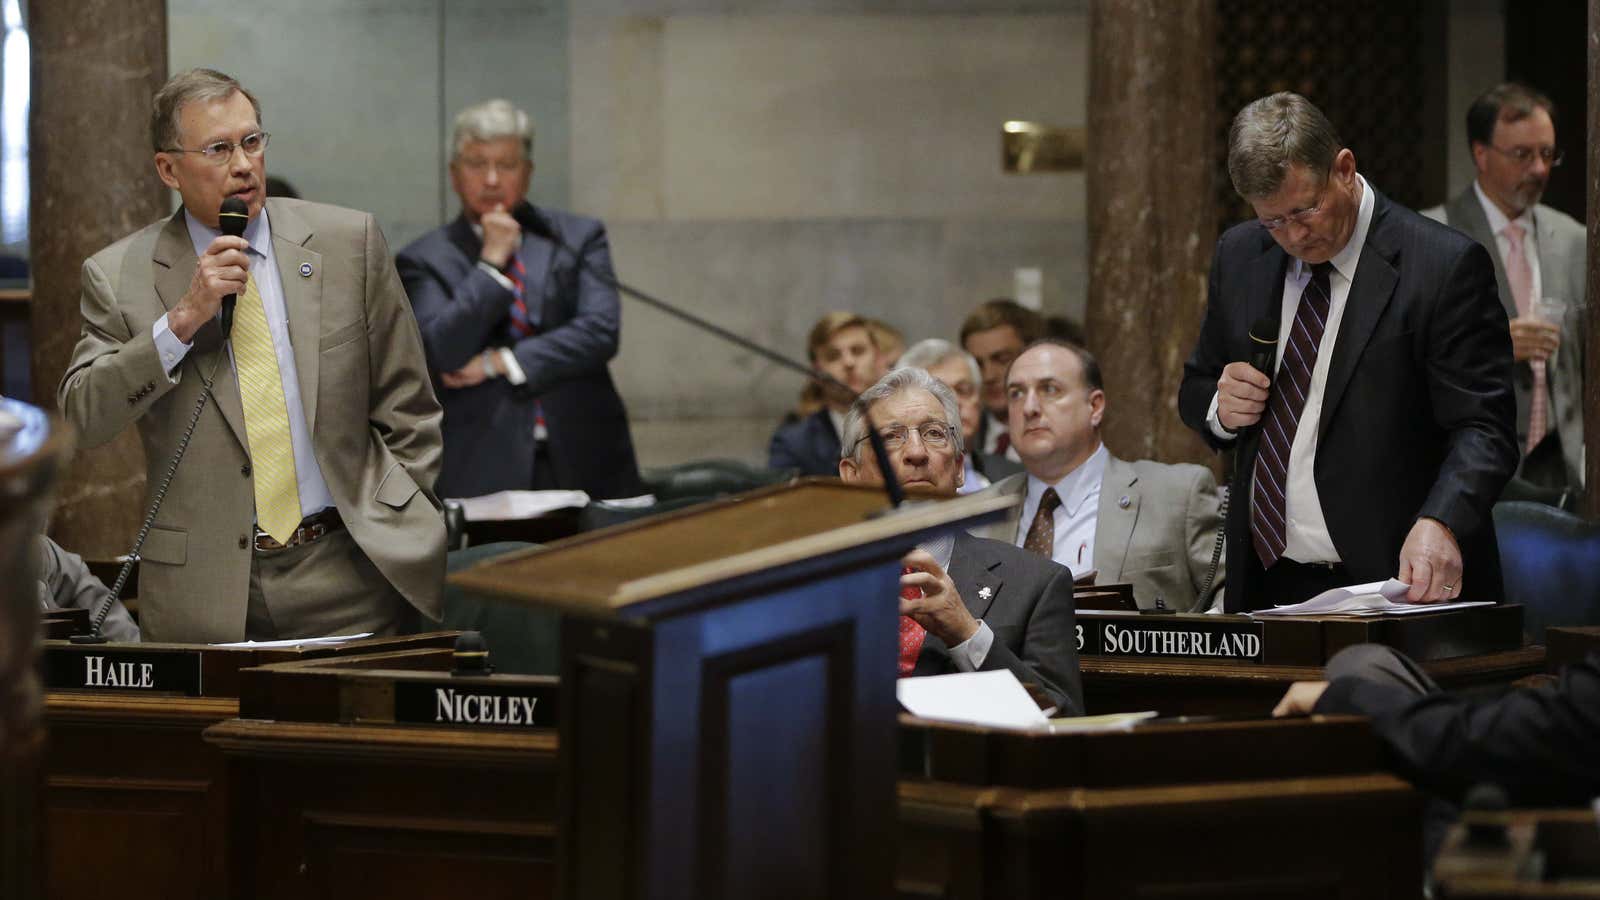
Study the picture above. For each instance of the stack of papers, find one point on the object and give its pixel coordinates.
(513, 505)
(997, 700)
(1374, 599)
(298, 642)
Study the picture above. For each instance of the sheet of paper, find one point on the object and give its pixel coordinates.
(1372, 599)
(298, 642)
(996, 699)
(510, 505)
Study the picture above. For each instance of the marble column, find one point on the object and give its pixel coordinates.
(1152, 219)
(96, 64)
(1591, 338)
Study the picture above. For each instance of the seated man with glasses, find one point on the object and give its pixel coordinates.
(966, 603)
(1386, 421)
(303, 505)
(1540, 258)
(519, 331)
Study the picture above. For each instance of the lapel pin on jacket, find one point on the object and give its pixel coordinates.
(1124, 502)
(985, 592)
(305, 270)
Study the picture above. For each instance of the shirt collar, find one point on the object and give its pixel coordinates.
(940, 547)
(1497, 219)
(1345, 261)
(1075, 487)
(258, 232)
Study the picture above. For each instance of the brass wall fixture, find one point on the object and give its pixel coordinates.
(1035, 147)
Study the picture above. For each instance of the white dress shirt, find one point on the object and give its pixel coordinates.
(1306, 535)
(314, 493)
(1076, 517)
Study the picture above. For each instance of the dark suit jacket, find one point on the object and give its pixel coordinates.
(808, 444)
(1541, 745)
(1417, 415)
(489, 428)
(1029, 609)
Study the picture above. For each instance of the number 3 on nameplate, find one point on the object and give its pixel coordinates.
(1080, 638)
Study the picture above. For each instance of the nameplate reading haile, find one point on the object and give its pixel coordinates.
(1198, 639)
(103, 669)
(475, 704)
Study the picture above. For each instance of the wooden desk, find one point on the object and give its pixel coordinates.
(1461, 649)
(134, 799)
(1568, 644)
(1264, 808)
(1545, 853)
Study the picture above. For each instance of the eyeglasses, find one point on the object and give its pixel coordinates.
(1523, 156)
(932, 434)
(253, 144)
(479, 166)
(1299, 216)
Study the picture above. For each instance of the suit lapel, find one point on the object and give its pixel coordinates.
(537, 258)
(302, 301)
(1468, 217)
(1113, 529)
(175, 263)
(1369, 296)
(976, 575)
(1264, 291)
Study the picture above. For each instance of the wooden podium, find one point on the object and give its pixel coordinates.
(728, 692)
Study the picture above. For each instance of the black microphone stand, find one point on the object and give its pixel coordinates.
(529, 218)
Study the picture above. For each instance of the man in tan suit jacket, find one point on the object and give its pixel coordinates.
(1143, 523)
(360, 413)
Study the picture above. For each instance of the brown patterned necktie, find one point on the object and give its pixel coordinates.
(1042, 533)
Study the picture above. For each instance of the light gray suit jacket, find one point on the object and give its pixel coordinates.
(371, 411)
(1156, 528)
(1562, 243)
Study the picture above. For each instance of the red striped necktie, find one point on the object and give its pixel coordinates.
(1268, 524)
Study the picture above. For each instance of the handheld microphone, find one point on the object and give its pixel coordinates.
(528, 216)
(1263, 344)
(232, 218)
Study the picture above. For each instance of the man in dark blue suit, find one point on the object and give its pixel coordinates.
(517, 331)
(1387, 426)
(841, 346)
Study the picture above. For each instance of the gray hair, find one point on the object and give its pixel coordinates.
(184, 88)
(905, 378)
(492, 120)
(935, 351)
(1273, 133)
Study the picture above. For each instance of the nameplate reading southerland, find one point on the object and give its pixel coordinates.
(1188, 638)
(92, 668)
(475, 704)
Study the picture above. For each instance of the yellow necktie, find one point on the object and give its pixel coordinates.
(266, 418)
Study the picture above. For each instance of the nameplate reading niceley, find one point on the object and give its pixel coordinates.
(447, 703)
(100, 669)
(1197, 638)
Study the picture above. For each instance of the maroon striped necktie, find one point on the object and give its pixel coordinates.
(1268, 525)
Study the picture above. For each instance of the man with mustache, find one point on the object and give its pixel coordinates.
(519, 331)
(967, 603)
(1538, 252)
(303, 506)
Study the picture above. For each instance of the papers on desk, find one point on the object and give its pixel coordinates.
(996, 700)
(1372, 599)
(297, 642)
(513, 505)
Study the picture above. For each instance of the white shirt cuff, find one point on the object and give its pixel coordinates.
(169, 346)
(1215, 423)
(970, 653)
(508, 362)
(497, 275)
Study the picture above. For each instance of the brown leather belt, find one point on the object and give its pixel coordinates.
(311, 529)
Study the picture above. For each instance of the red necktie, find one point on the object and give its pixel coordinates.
(1002, 443)
(911, 637)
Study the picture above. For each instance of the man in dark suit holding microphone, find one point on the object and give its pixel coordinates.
(518, 331)
(1386, 433)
